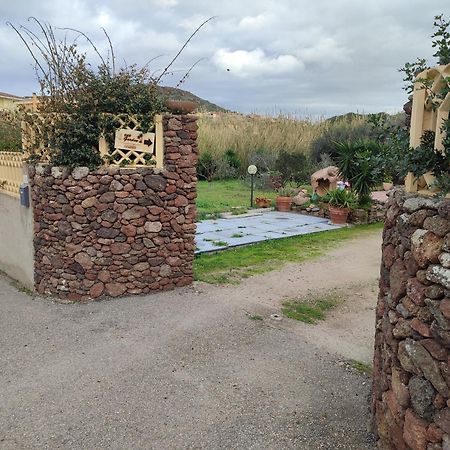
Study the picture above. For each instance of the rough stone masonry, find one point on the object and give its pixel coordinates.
(411, 388)
(117, 231)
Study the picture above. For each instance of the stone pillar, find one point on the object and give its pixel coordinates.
(118, 231)
(411, 386)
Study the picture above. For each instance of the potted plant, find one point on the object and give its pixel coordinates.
(283, 202)
(340, 202)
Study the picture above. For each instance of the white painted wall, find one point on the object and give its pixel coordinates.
(16, 240)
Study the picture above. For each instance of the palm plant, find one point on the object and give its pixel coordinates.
(360, 163)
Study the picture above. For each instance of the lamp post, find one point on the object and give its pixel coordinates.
(252, 169)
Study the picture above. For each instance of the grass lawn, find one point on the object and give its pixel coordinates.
(230, 266)
(225, 195)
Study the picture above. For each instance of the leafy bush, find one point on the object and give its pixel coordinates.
(232, 158)
(10, 137)
(263, 159)
(293, 167)
(340, 131)
(393, 137)
(425, 158)
(211, 168)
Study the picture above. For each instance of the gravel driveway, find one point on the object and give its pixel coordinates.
(186, 369)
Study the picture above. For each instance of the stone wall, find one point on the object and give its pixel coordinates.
(118, 231)
(411, 386)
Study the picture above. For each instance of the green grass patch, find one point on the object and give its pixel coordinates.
(237, 235)
(255, 317)
(225, 196)
(307, 312)
(231, 265)
(219, 243)
(361, 367)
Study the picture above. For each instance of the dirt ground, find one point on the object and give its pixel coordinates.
(190, 369)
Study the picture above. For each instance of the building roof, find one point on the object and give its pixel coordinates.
(11, 96)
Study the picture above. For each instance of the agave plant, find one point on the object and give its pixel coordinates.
(341, 198)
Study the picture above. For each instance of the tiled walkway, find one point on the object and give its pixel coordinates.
(219, 234)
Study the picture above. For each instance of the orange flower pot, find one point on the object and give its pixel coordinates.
(338, 215)
(283, 203)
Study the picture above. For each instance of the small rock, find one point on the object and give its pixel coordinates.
(445, 308)
(415, 431)
(430, 368)
(422, 397)
(115, 289)
(426, 247)
(80, 172)
(438, 274)
(89, 202)
(153, 227)
(155, 182)
(444, 259)
(415, 203)
(96, 290)
(165, 270)
(84, 260)
(438, 225)
(135, 213)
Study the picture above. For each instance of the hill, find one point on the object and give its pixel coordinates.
(179, 94)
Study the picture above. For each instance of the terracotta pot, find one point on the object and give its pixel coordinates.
(181, 106)
(283, 203)
(388, 186)
(338, 215)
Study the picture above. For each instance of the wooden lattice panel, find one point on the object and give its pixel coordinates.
(428, 114)
(37, 127)
(147, 149)
(11, 172)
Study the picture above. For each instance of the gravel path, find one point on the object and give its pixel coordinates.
(189, 368)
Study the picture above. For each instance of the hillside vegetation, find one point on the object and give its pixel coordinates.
(260, 139)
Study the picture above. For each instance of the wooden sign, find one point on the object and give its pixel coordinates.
(134, 140)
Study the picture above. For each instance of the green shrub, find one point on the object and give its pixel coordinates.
(293, 167)
(340, 131)
(212, 168)
(10, 137)
(232, 158)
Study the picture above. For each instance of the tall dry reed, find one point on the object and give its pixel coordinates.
(247, 134)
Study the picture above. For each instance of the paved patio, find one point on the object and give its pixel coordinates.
(219, 234)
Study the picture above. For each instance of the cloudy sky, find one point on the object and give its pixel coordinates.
(266, 56)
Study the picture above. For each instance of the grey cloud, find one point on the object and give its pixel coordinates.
(326, 57)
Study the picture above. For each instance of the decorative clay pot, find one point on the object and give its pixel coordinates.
(338, 215)
(181, 106)
(283, 203)
(262, 202)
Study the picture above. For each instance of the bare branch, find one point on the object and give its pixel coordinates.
(113, 58)
(183, 79)
(183, 47)
(27, 46)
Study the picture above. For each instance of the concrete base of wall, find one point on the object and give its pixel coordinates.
(16, 240)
